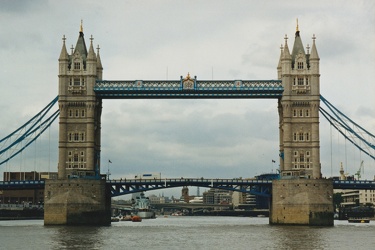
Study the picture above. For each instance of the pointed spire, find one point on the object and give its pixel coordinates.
(91, 54)
(81, 45)
(286, 54)
(63, 54)
(98, 60)
(281, 56)
(314, 51)
(297, 46)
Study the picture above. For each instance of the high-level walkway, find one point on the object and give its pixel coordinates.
(128, 186)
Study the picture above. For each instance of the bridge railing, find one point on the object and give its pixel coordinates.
(191, 180)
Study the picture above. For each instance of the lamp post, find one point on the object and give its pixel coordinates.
(108, 173)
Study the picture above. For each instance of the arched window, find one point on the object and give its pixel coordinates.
(307, 136)
(301, 137)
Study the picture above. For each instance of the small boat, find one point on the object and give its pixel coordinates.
(136, 218)
(115, 219)
(126, 218)
(359, 220)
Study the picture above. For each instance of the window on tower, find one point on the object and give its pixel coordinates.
(301, 136)
(302, 157)
(300, 81)
(299, 65)
(307, 136)
(77, 65)
(77, 81)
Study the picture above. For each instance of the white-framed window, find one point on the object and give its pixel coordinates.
(77, 81)
(307, 113)
(300, 136)
(300, 81)
(82, 136)
(75, 157)
(307, 137)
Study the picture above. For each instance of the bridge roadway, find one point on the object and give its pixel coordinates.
(128, 186)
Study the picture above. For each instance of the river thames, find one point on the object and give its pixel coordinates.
(187, 233)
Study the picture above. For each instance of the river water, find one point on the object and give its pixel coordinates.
(187, 233)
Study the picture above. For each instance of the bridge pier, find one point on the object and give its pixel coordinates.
(77, 202)
(302, 202)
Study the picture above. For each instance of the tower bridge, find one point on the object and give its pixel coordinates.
(301, 196)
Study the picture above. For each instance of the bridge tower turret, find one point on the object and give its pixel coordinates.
(80, 110)
(299, 110)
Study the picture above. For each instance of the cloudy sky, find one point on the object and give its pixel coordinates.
(156, 40)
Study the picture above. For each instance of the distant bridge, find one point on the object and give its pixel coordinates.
(128, 186)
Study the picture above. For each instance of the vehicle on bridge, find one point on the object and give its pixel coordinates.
(148, 176)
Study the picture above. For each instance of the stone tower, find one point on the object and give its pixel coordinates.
(80, 111)
(299, 110)
(301, 196)
(79, 196)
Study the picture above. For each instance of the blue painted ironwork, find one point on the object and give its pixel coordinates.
(197, 89)
(21, 185)
(32, 130)
(123, 187)
(359, 185)
(349, 129)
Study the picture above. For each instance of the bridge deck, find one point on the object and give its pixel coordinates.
(122, 187)
(197, 89)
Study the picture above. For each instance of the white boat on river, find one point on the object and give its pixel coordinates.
(142, 207)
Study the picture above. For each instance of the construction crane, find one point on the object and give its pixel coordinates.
(361, 167)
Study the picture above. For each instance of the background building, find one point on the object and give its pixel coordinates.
(25, 197)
